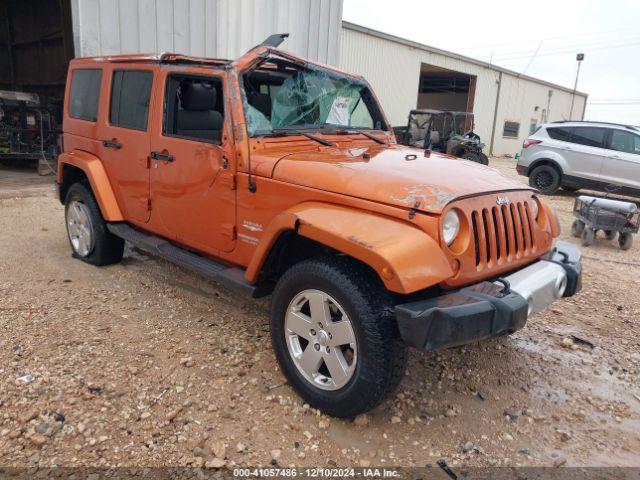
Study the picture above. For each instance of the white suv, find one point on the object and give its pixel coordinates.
(574, 155)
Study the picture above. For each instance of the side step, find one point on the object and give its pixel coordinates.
(232, 276)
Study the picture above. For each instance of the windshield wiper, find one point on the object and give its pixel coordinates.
(346, 131)
(284, 132)
(318, 139)
(372, 137)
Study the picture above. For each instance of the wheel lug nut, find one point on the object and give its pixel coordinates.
(328, 349)
(313, 332)
(317, 346)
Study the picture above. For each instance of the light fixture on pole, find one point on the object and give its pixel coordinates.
(579, 58)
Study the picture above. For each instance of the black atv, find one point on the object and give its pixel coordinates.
(443, 131)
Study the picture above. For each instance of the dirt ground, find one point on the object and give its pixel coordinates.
(145, 364)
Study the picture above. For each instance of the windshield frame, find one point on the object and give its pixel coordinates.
(367, 95)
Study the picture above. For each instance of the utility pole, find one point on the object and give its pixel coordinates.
(579, 58)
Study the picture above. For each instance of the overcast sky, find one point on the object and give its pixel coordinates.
(510, 33)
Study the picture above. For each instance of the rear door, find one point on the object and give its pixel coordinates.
(124, 138)
(583, 150)
(622, 164)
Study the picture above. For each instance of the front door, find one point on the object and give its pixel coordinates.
(622, 165)
(124, 141)
(585, 152)
(192, 178)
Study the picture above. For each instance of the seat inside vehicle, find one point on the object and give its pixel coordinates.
(196, 117)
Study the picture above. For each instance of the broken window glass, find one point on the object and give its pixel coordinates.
(307, 98)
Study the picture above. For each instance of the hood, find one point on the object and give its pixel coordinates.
(394, 175)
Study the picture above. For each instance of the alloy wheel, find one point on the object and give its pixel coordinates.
(320, 340)
(543, 180)
(80, 228)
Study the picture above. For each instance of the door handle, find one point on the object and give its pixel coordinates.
(113, 143)
(164, 155)
(616, 156)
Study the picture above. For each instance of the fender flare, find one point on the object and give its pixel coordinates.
(405, 258)
(98, 179)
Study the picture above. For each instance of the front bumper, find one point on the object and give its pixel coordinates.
(491, 309)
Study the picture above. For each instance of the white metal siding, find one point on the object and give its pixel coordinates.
(518, 101)
(213, 28)
(393, 69)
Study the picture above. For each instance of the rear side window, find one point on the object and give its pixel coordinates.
(130, 94)
(589, 136)
(560, 133)
(625, 142)
(85, 94)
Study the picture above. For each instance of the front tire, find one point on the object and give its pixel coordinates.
(577, 227)
(87, 231)
(472, 156)
(588, 236)
(335, 336)
(625, 240)
(545, 178)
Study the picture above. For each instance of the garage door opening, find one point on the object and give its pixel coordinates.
(36, 44)
(444, 89)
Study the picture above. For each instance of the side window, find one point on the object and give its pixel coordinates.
(84, 94)
(626, 142)
(194, 108)
(130, 94)
(559, 133)
(589, 136)
(511, 129)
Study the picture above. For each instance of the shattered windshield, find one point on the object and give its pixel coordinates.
(310, 98)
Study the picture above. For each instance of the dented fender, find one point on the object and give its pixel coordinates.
(98, 179)
(406, 258)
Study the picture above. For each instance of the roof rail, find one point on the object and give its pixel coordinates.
(630, 127)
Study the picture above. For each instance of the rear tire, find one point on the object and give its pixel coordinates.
(87, 231)
(484, 159)
(545, 178)
(348, 292)
(588, 236)
(625, 240)
(577, 227)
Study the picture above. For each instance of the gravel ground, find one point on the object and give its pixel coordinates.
(145, 364)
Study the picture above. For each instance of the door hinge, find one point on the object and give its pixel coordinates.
(228, 230)
(148, 203)
(228, 179)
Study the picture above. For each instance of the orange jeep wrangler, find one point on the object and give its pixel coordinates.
(282, 176)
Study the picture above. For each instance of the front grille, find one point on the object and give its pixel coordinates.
(502, 233)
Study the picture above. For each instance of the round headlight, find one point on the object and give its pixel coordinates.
(450, 227)
(535, 208)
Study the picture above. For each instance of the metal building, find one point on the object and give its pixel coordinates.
(406, 75)
(212, 28)
(39, 37)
